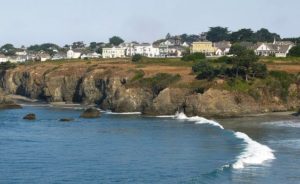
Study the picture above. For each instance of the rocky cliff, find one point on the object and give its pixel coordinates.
(111, 87)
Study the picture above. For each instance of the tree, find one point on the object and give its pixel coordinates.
(243, 35)
(295, 51)
(204, 70)
(246, 63)
(168, 36)
(264, 35)
(137, 58)
(93, 45)
(216, 34)
(237, 50)
(115, 40)
(8, 49)
(78, 45)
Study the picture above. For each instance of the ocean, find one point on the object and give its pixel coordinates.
(132, 148)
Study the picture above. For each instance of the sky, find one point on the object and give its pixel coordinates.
(27, 22)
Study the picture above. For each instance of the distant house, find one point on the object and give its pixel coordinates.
(43, 57)
(173, 48)
(204, 47)
(222, 48)
(21, 52)
(277, 49)
(114, 52)
(145, 49)
(3, 58)
(59, 56)
(17, 59)
(74, 53)
(90, 55)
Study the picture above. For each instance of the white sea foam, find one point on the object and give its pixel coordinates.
(197, 120)
(124, 113)
(291, 123)
(254, 153)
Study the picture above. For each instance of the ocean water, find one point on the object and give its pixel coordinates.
(131, 148)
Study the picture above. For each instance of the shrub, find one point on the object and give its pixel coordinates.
(193, 57)
(204, 70)
(159, 82)
(137, 58)
(295, 51)
(139, 74)
(7, 65)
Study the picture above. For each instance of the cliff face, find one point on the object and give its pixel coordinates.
(107, 86)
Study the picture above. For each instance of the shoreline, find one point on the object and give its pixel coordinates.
(27, 101)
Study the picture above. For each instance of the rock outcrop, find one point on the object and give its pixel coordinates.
(107, 86)
(30, 117)
(7, 103)
(91, 113)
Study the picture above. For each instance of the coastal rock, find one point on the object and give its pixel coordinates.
(220, 103)
(168, 102)
(30, 117)
(91, 113)
(109, 86)
(7, 103)
(66, 119)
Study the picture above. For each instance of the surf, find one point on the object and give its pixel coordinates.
(254, 152)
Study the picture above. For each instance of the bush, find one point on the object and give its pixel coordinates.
(137, 58)
(224, 59)
(204, 70)
(295, 51)
(193, 57)
(7, 65)
(280, 83)
(159, 82)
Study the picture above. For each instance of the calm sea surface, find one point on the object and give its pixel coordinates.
(120, 148)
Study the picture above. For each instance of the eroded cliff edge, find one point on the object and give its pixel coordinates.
(152, 90)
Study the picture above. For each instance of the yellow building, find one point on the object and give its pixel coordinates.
(204, 47)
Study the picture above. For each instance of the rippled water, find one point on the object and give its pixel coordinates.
(130, 148)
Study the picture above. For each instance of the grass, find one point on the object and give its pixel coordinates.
(274, 60)
(164, 62)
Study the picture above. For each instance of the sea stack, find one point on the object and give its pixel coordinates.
(91, 113)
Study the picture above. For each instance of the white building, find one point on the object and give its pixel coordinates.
(90, 55)
(145, 49)
(73, 54)
(17, 59)
(114, 52)
(21, 53)
(3, 58)
(277, 49)
(222, 48)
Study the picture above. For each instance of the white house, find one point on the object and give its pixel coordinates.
(21, 53)
(114, 52)
(3, 58)
(90, 55)
(73, 54)
(59, 56)
(145, 49)
(277, 49)
(17, 59)
(222, 48)
(43, 57)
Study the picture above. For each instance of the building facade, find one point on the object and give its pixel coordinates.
(206, 48)
(114, 52)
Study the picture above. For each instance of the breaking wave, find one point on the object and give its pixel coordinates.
(254, 153)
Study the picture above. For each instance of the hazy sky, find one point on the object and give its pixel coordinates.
(25, 22)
